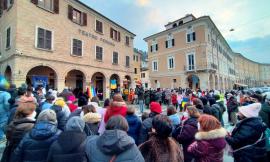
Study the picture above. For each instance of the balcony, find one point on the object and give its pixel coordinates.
(200, 68)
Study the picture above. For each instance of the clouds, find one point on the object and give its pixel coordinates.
(250, 19)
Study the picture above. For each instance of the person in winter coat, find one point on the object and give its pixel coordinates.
(247, 138)
(22, 123)
(232, 107)
(199, 105)
(210, 140)
(70, 145)
(215, 108)
(117, 107)
(61, 117)
(146, 127)
(134, 124)
(60, 102)
(161, 147)
(114, 144)
(222, 108)
(35, 145)
(174, 100)
(92, 120)
(173, 116)
(185, 134)
(206, 106)
(4, 111)
(70, 103)
(265, 111)
(102, 123)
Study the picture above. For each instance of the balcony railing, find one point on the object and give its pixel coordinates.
(199, 68)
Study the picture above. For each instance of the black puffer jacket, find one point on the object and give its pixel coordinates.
(61, 117)
(70, 147)
(265, 113)
(146, 127)
(186, 135)
(15, 132)
(248, 132)
(35, 146)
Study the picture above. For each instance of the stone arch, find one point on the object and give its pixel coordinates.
(193, 81)
(42, 75)
(98, 81)
(75, 79)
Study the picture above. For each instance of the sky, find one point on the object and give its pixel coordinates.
(250, 20)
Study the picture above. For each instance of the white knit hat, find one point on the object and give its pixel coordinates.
(251, 110)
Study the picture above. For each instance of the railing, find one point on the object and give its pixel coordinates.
(197, 68)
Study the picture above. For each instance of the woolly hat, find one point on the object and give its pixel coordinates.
(75, 124)
(71, 98)
(60, 102)
(251, 110)
(47, 115)
(92, 118)
(155, 107)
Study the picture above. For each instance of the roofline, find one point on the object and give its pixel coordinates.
(83, 4)
(239, 54)
(180, 19)
(197, 19)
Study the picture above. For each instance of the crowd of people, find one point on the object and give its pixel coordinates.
(40, 126)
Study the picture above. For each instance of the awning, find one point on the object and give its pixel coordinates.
(241, 85)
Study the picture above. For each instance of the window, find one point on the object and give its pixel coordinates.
(190, 62)
(170, 62)
(191, 37)
(174, 80)
(99, 53)
(46, 4)
(76, 47)
(44, 39)
(8, 41)
(134, 57)
(169, 42)
(127, 61)
(115, 35)
(143, 75)
(137, 58)
(135, 70)
(115, 58)
(127, 40)
(154, 66)
(154, 46)
(99, 26)
(77, 16)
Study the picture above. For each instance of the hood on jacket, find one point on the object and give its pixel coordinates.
(213, 134)
(43, 130)
(117, 104)
(75, 124)
(73, 138)
(114, 142)
(175, 119)
(132, 119)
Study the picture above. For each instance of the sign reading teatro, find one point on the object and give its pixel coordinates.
(90, 35)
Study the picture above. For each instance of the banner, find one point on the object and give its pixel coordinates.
(113, 84)
(40, 81)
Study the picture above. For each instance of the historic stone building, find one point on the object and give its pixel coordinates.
(191, 52)
(63, 43)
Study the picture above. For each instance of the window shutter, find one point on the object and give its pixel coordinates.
(70, 14)
(166, 44)
(34, 1)
(172, 42)
(84, 16)
(156, 47)
(56, 6)
(151, 48)
(111, 33)
(194, 36)
(119, 36)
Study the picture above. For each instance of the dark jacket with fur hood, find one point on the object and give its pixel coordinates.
(160, 150)
(116, 108)
(209, 146)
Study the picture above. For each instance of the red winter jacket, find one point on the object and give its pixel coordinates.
(174, 99)
(116, 108)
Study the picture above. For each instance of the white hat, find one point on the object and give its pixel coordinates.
(251, 110)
